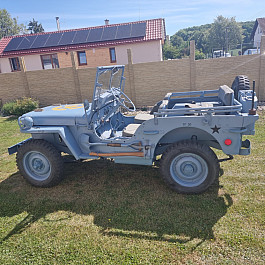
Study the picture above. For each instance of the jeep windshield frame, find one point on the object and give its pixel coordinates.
(109, 81)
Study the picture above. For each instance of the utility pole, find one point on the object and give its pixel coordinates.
(226, 38)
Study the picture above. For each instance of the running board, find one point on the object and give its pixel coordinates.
(139, 154)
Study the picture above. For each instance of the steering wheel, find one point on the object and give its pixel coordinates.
(123, 99)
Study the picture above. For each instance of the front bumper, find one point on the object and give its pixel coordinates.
(14, 148)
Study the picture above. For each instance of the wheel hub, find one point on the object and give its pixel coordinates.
(37, 165)
(188, 169)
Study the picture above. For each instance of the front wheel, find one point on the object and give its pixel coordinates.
(40, 163)
(189, 167)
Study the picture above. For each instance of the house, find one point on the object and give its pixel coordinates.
(93, 46)
(258, 31)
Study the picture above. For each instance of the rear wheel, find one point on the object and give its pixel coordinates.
(40, 163)
(189, 167)
(241, 82)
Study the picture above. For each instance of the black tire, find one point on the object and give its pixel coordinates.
(40, 163)
(189, 167)
(241, 82)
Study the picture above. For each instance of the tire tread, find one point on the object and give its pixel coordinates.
(241, 82)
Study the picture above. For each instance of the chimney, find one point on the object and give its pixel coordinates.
(58, 23)
(106, 22)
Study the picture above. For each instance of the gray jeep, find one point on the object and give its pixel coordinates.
(179, 132)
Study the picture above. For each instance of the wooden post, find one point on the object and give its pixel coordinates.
(76, 78)
(261, 87)
(192, 66)
(24, 76)
(131, 77)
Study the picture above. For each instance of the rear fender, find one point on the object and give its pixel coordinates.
(186, 133)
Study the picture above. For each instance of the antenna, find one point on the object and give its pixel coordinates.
(253, 111)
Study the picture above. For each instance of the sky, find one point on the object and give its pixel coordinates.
(86, 13)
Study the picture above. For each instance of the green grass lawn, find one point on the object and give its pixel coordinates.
(103, 213)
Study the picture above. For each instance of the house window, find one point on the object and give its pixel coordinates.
(112, 55)
(82, 58)
(15, 65)
(49, 61)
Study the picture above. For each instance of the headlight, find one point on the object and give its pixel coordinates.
(25, 122)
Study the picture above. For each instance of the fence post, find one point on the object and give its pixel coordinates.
(131, 77)
(76, 78)
(192, 66)
(261, 88)
(24, 76)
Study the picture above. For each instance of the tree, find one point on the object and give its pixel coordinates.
(199, 55)
(34, 27)
(247, 30)
(225, 32)
(231, 33)
(8, 25)
(170, 52)
(176, 40)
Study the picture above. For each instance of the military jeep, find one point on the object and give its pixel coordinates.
(179, 132)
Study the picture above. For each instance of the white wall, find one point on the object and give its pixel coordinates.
(150, 51)
(257, 37)
(33, 62)
(5, 66)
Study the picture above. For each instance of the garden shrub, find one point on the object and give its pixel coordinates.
(7, 108)
(19, 106)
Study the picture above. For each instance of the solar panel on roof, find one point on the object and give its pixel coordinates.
(40, 41)
(123, 32)
(54, 39)
(95, 35)
(13, 44)
(81, 36)
(138, 30)
(109, 33)
(77, 37)
(26, 42)
(67, 38)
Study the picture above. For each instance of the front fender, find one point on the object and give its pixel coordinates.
(64, 133)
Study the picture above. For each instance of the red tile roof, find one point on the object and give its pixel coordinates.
(3, 43)
(155, 30)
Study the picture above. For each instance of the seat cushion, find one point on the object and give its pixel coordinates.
(130, 130)
(200, 105)
(141, 117)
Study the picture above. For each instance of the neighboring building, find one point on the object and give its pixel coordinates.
(94, 46)
(258, 31)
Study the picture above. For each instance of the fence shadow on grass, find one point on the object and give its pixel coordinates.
(124, 200)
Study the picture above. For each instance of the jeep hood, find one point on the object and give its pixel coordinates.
(70, 114)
